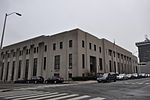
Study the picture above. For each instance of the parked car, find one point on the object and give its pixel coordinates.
(129, 76)
(36, 79)
(135, 76)
(142, 75)
(106, 77)
(55, 79)
(122, 77)
(21, 81)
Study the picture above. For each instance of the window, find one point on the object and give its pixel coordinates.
(26, 69)
(70, 75)
(56, 74)
(37, 49)
(82, 43)
(35, 67)
(115, 66)
(118, 55)
(7, 69)
(27, 51)
(70, 43)
(110, 67)
(54, 46)
(94, 47)
(90, 46)
(70, 61)
(34, 50)
(110, 52)
(114, 53)
(19, 68)
(2, 71)
(100, 64)
(45, 48)
(83, 61)
(20, 53)
(100, 49)
(61, 45)
(121, 56)
(57, 62)
(44, 63)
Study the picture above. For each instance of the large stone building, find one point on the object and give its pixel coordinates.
(144, 55)
(67, 54)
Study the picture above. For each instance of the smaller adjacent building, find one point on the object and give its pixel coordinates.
(144, 55)
(67, 54)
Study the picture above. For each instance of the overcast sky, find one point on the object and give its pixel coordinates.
(126, 21)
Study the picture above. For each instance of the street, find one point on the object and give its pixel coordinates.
(137, 89)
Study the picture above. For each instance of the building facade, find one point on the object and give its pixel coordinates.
(67, 54)
(144, 55)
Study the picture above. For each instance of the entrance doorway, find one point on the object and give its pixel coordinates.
(93, 65)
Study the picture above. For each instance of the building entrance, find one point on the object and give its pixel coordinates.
(93, 65)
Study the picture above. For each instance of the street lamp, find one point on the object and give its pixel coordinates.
(5, 25)
(6, 15)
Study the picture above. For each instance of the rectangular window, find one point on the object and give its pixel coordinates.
(27, 51)
(54, 46)
(45, 48)
(2, 71)
(82, 43)
(35, 67)
(26, 69)
(70, 61)
(100, 49)
(61, 45)
(83, 61)
(100, 64)
(70, 75)
(44, 63)
(114, 53)
(118, 55)
(57, 62)
(7, 69)
(34, 50)
(94, 47)
(70, 43)
(20, 53)
(37, 49)
(110, 67)
(13, 69)
(19, 69)
(110, 52)
(90, 46)
(56, 74)
(115, 66)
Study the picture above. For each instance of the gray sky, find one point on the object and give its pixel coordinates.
(126, 21)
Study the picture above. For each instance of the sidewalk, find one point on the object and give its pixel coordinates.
(81, 82)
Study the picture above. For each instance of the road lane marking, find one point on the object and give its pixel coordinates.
(79, 98)
(63, 97)
(98, 98)
(35, 96)
(18, 93)
(47, 97)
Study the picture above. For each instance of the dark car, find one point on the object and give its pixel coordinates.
(54, 80)
(36, 79)
(21, 81)
(107, 77)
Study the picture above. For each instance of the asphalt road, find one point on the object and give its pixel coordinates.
(138, 89)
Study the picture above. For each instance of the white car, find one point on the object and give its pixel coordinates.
(122, 77)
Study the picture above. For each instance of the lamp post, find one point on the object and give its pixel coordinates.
(6, 15)
(2, 38)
